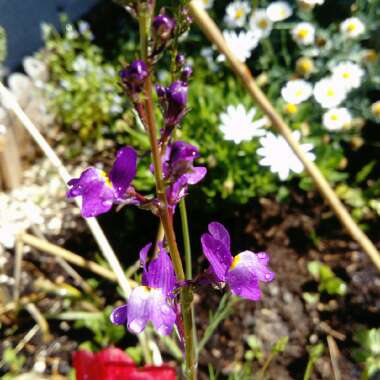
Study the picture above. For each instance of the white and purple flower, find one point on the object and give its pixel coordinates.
(243, 272)
(153, 301)
(99, 191)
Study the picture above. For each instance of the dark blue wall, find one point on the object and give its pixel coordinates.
(22, 18)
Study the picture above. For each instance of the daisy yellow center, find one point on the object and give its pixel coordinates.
(370, 55)
(346, 75)
(376, 109)
(302, 34)
(239, 13)
(263, 24)
(291, 108)
(351, 27)
(305, 66)
(298, 93)
(107, 180)
(235, 262)
(330, 93)
(334, 117)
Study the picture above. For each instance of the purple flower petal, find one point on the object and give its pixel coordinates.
(143, 259)
(217, 254)
(119, 315)
(219, 232)
(94, 187)
(244, 283)
(246, 271)
(146, 304)
(138, 313)
(123, 170)
(160, 274)
(163, 315)
(196, 175)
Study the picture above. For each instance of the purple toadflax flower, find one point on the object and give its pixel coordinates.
(133, 78)
(153, 301)
(100, 191)
(163, 26)
(243, 272)
(179, 170)
(173, 100)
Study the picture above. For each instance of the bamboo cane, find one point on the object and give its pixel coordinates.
(212, 32)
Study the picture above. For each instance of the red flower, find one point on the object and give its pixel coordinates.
(114, 364)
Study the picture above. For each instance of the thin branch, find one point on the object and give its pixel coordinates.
(212, 32)
(71, 257)
(334, 356)
(19, 252)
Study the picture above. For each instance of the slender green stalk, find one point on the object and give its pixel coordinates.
(186, 296)
(186, 239)
(266, 365)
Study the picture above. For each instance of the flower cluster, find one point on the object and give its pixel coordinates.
(155, 299)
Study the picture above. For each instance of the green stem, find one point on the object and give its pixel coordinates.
(266, 365)
(309, 369)
(186, 239)
(186, 295)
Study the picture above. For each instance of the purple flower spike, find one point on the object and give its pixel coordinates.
(243, 272)
(100, 191)
(153, 300)
(163, 26)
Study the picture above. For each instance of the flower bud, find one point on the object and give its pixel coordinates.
(375, 108)
(186, 73)
(163, 26)
(180, 59)
(305, 66)
(160, 90)
(133, 78)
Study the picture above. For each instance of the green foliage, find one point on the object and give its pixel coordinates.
(328, 281)
(104, 333)
(14, 361)
(315, 352)
(87, 98)
(369, 351)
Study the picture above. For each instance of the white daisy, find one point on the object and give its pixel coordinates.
(314, 2)
(336, 119)
(206, 4)
(238, 125)
(277, 154)
(310, 4)
(352, 27)
(279, 11)
(241, 44)
(260, 23)
(329, 93)
(236, 14)
(296, 91)
(349, 73)
(304, 33)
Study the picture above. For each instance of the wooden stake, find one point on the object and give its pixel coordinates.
(10, 163)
